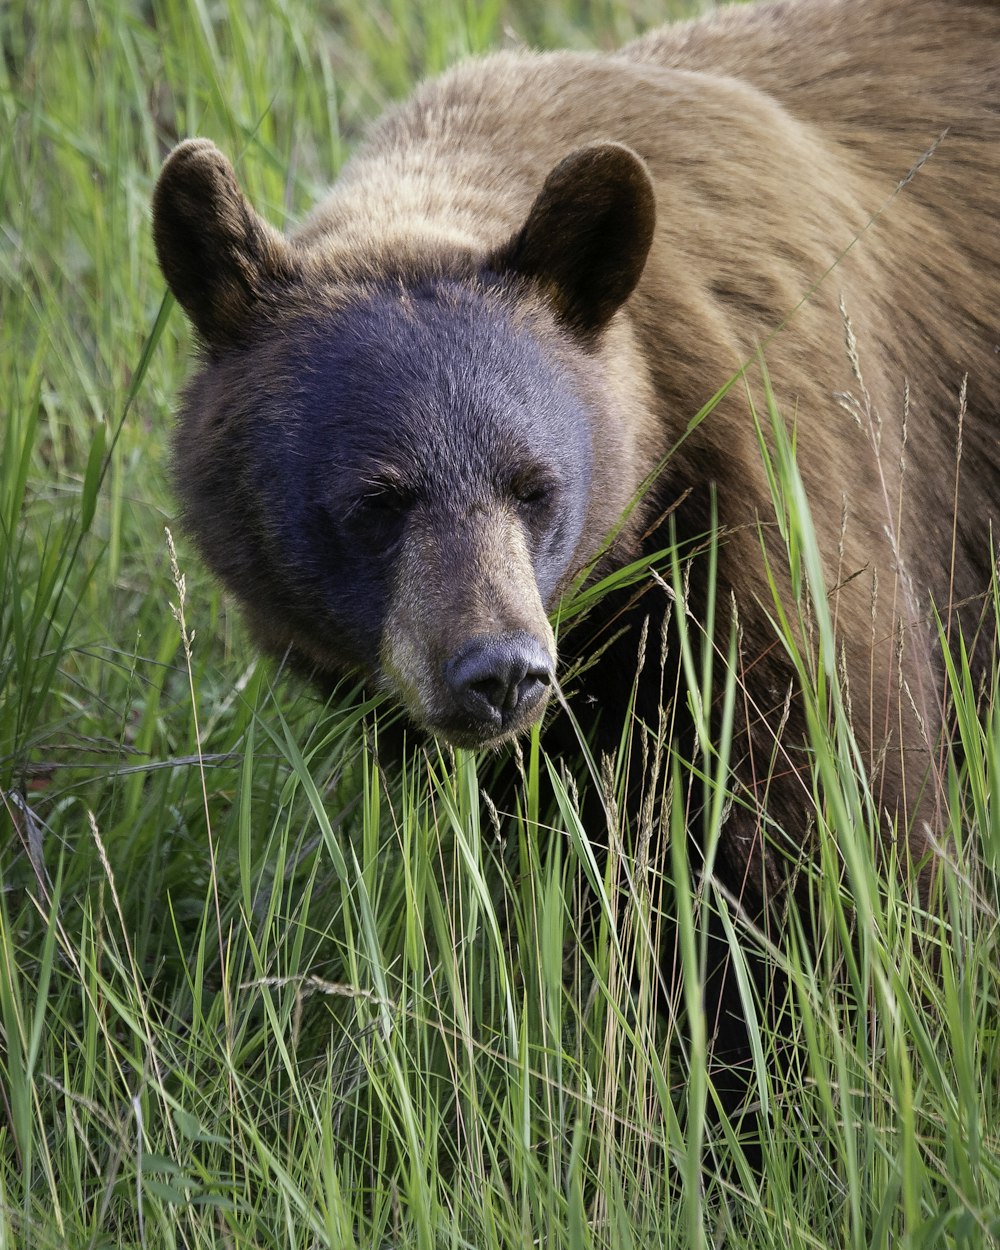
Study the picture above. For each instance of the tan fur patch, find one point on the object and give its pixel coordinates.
(450, 588)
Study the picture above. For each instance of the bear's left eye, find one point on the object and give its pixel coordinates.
(533, 494)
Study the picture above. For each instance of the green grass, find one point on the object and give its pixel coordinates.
(253, 993)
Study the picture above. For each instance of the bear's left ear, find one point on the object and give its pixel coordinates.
(587, 235)
(222, 261)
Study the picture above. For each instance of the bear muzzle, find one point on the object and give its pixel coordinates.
(467, 646)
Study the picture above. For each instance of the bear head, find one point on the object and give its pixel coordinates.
(390, 459)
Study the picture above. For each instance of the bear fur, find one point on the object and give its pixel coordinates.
(471, 375)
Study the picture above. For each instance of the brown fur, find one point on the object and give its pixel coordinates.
(774, 136)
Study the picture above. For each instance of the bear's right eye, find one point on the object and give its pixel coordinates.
(376, 519)
(388, 502)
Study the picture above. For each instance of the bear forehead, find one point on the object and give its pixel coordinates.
(425, 372)
(435, 335)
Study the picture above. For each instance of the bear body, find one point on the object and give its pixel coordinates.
(421, 416)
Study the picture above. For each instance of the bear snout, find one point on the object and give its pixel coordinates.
(500, 680)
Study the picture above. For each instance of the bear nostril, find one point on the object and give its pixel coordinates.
(507, 694)
(493, 692)
(496, 676)
(530, 689)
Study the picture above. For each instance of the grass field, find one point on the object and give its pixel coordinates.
(252, 992)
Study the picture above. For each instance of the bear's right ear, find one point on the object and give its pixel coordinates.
(587, 235)
(219, 257)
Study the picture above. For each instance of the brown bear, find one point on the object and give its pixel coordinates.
(471, 375)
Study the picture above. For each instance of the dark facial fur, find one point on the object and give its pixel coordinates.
(416, 476)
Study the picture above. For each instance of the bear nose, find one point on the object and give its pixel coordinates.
(497, 678)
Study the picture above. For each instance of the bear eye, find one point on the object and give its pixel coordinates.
(533, 494)
(376, 518)
(391, 501)
(385, 493)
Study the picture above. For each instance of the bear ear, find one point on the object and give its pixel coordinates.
(220, 258)
(587, 235)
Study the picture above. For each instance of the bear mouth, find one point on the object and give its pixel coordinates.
(474, 735)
